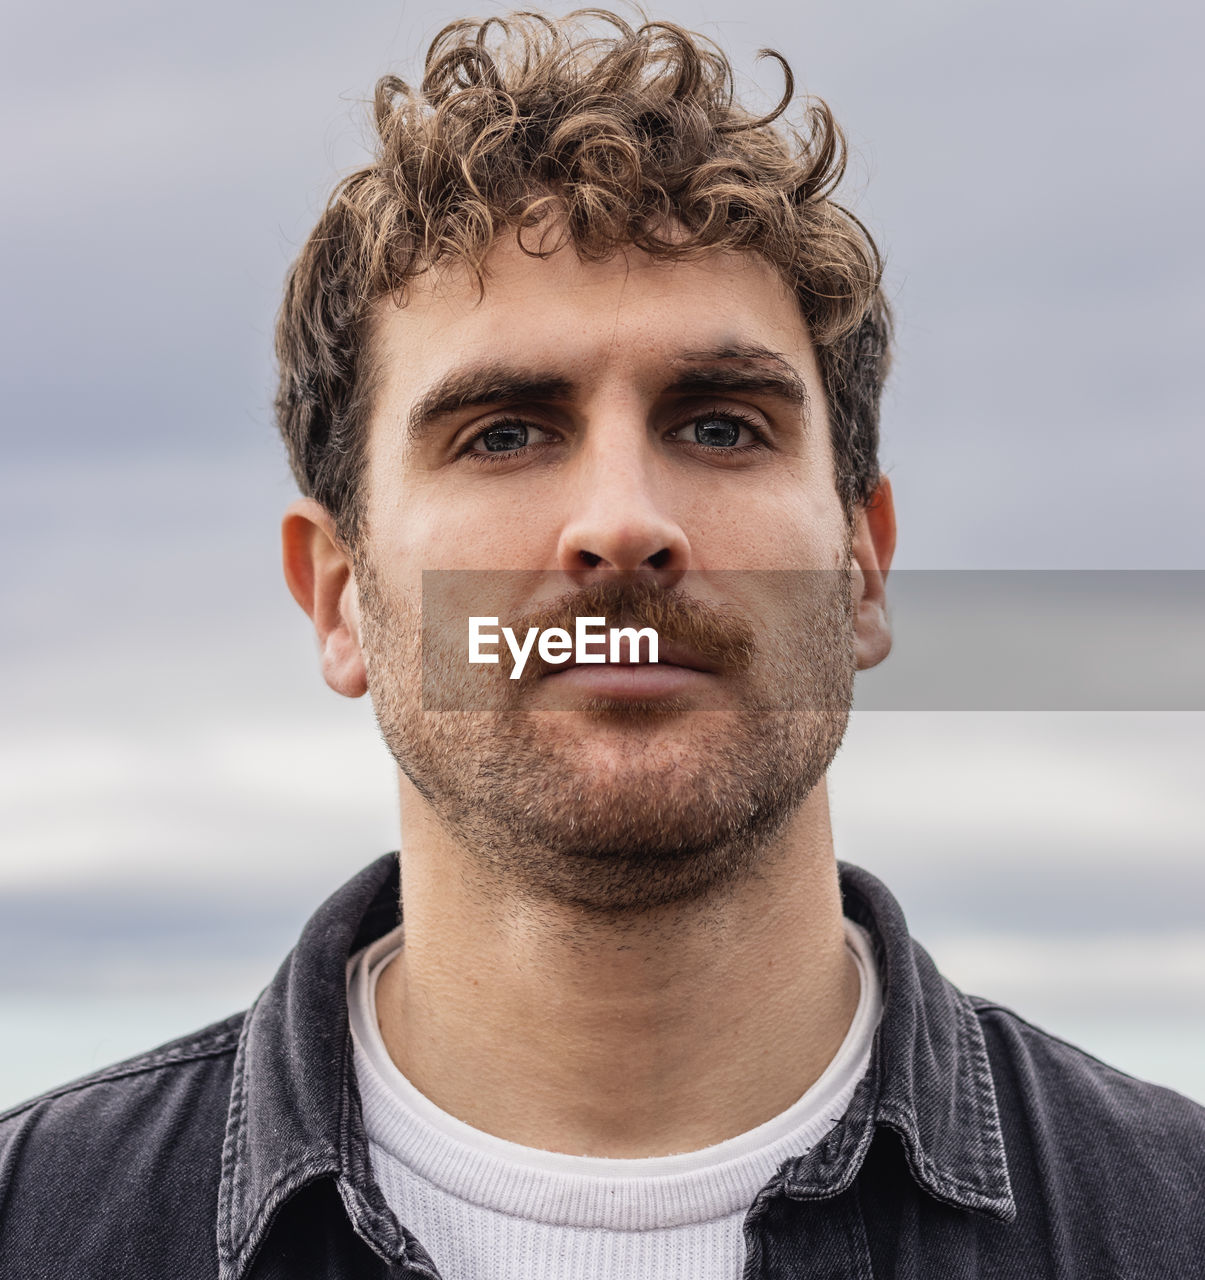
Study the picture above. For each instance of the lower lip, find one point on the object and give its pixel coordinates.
(635, 682)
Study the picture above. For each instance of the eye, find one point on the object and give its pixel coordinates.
(723, 432)
(726, 431)
(506, 436)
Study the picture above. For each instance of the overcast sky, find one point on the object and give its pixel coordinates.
(1032, 170)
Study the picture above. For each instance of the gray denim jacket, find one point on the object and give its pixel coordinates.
(976, 1146)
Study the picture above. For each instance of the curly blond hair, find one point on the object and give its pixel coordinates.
(633, 137)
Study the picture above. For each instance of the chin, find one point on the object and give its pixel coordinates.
(614, 741)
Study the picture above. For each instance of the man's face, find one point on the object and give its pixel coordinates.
(632, 423)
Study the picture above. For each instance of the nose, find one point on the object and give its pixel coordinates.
(618, 521)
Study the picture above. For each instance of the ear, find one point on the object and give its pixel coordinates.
(318, 570)
(872, 548)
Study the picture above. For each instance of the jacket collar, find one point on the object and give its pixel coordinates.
(929, 1080)
(294, 1116)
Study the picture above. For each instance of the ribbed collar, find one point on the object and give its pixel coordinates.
(693, 1188)
(295, 1115)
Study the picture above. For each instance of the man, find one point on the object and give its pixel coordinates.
(590, 342)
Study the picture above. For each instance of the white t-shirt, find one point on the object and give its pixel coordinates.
(488, 1209)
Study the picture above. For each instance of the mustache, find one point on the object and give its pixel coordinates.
(717, 634)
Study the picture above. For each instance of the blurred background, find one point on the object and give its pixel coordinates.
(179, 789)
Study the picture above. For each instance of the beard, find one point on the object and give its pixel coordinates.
(617, 808)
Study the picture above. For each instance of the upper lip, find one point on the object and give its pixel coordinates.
(669, 654)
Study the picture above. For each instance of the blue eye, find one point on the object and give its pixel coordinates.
(504, 436)
(722, 432)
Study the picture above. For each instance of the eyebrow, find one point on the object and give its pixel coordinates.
(492, 383)
(742, 368)
(729, 368)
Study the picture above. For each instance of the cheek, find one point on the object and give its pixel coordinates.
(811, 533)
(770, 525)
(805, 511)
(489, 527)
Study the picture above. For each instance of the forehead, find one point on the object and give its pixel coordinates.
(628, 320)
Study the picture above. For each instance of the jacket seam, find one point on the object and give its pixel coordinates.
(232, 1152)
(194, 1053)
(269, 1203)
(232, 1245)
(902, 1121)
(987, 1121)
(989, 1108)
(982, 1005)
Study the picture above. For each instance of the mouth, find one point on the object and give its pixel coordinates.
(671, 656)
(679, 671)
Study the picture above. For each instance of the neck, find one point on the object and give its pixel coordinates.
(663, 1032)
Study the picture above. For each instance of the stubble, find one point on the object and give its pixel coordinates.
(616, 810)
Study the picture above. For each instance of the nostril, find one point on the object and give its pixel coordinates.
(658, 560)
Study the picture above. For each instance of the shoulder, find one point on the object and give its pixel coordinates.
(143, 1138)
(111, 1102)
(1075, 1116)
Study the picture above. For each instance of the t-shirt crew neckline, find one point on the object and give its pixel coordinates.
(405, 1126)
